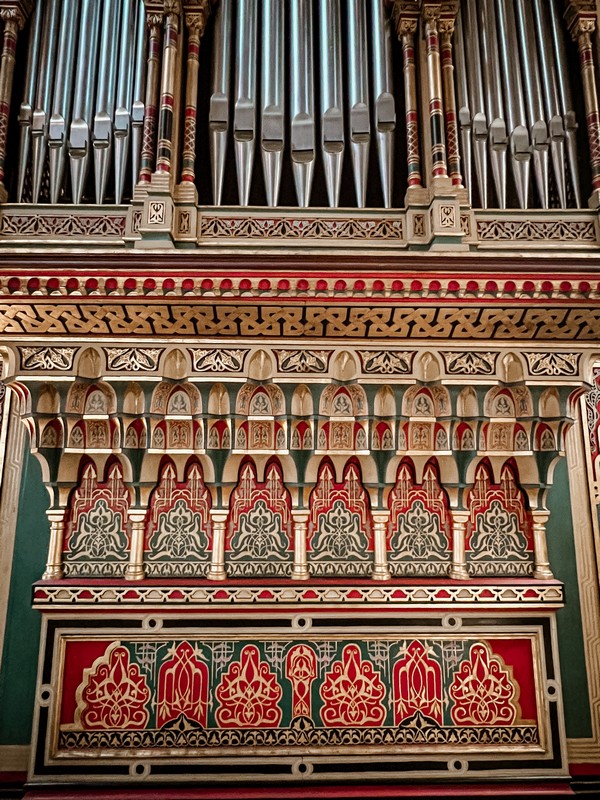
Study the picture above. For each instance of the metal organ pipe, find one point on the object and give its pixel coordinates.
(493, 94)
(85, 79)
(302, 101)
(566, 98)
(272, 106)
(63, 92)
(383, 96)
(26, 108)
(123, 102)
(520, 150)
(358, 96)
(137, 105)
(463, 106)
(39, 128)
(550, 88)
(218, 115)
(538, 130)
(477, 99)
(332, 114)
(244, 115)
(105, 96)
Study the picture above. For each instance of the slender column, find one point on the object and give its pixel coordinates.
(458, 570)
(54, 565)
(195, 24)
(135, 569)
(216, 571)
(380, 565)
(147, 160)
(164, 149)
(300, 571)
(446, 31)
(439, 167)
(542, 570)
(582, 24)
(406, 27)
(13, 23)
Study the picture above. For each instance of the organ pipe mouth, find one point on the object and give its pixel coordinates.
(313, 84)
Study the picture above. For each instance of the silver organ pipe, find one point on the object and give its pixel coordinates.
(218, 113)
(497, 139)
(463, 106)
(244, 113)
(479, 119)
(105, 95)
(85, 79)
(566, 97)
(273, 87)
(520, 150)
(383, 97)
(358, 96)
(332, 109)
(29, 94)
(302, 100)
(63, 92)
(137, 104)
(43, 101)
(538, 129)
(554, 117)
(122, 122)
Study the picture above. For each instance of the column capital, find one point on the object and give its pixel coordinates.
(137, 514)
(581, 17)
(56, 514)
(16, 10)
(219, 515)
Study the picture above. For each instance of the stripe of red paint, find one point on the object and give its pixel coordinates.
(585, 769)
(78, 656)
(490, 789)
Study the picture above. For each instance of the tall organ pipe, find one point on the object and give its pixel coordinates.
(122, 127)
(137, 105)
(464, 107)
(520, 150)
(550, 87)
(244, 114)
(566, 98)
(477, 99)
(358, 96)
(538, 130)
(218, 115)
(302, 101)
(272, 107)
(26, 108)
(43, 101)
(332, 110)
(493, 95)
(105, 96)
(383, 101)
(63, 93)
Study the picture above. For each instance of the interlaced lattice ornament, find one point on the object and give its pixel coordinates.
(258, 541)
(97, 535)
(483, 690)
(419, 528)
(178, 532)
(499, 529)
(340, 524)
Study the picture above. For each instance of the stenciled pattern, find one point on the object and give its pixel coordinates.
(258, 541)
(340, 527)
(499, 537)
(381, 690)
(97, 541)
(419, 528)
(178, 523)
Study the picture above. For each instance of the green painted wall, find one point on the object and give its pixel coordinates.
(561, 551)
(22, 636)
